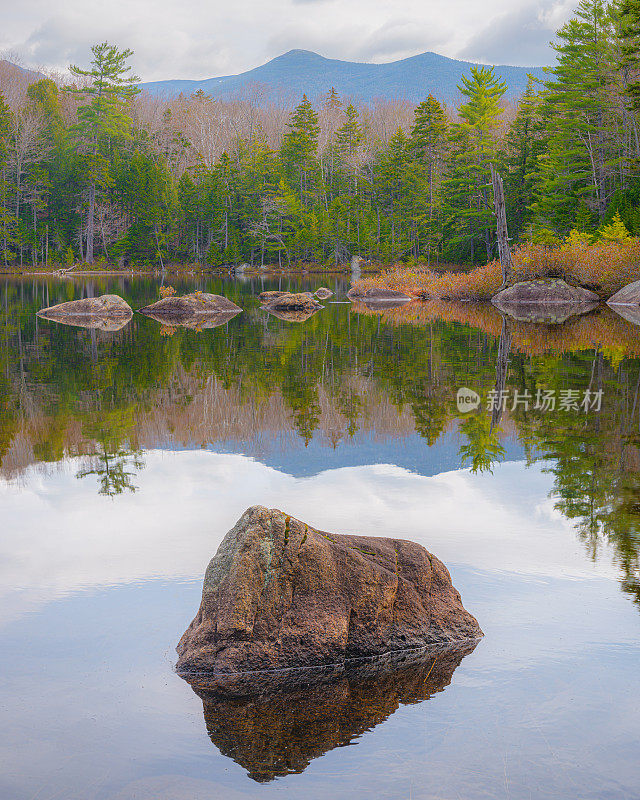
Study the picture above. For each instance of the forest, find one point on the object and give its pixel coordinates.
(92, 170)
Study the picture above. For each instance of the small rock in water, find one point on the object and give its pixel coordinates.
(374, 295)
(279, 593)
(299, 301)
(106, 306)
(188, 306)
(323, 293)
(267, 297)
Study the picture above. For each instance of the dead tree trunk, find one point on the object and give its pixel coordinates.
(501, 224)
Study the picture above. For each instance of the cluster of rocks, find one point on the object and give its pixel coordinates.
(198, 310)
(294, 306)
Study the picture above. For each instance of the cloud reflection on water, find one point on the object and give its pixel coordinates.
(60, 537)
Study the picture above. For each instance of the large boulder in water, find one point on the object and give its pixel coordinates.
(279, 593)
(545, 300)
(181, 309)
(89, 310)
(544, 291)
(629, 295)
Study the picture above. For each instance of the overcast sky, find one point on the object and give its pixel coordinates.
(206, 38)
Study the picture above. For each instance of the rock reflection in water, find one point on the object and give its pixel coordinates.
(550, 313)
(196, 322)
(92, 322)
(293, 314)
(299, 715)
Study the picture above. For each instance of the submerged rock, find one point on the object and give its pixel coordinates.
(105, 307)
(629, 295)
(279, 594)
(543, 292)
(299, 715)
(375, 296)
(323, 293)
(177, 309)
(299, 301)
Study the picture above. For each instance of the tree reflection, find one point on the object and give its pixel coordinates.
(115, 469)
(390, 373)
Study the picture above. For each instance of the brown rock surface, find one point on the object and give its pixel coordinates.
(323, 293)
(188, 306)
(283, 728)
(279, 594)
(267, 297)
(107, 306)
(629, 295)
(298, 301)
(374, 295)
(542, 292)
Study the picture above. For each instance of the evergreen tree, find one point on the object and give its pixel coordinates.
(299, 148)
(105, 117)
(474, 146)
(5, 131)
(524, 143)
(583, 159)
(429, 142)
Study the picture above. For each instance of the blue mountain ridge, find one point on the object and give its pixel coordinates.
(301, 72)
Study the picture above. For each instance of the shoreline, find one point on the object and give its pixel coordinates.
(20, 273)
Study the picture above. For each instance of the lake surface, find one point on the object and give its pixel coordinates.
(126, 456)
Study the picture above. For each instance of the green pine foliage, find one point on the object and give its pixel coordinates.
(97, 171)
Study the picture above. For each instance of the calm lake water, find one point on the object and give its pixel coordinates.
(126, 456)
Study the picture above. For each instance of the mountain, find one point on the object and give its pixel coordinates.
(301, 71)
(12, 75)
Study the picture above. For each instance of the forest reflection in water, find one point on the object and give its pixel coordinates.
(345, 373)
(126, 454)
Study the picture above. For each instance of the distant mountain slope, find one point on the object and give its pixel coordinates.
(11, 74)
(301, 71)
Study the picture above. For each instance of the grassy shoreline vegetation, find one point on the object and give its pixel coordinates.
(94, 171)
(603, 267)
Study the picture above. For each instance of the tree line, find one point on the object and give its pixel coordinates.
(96, 170)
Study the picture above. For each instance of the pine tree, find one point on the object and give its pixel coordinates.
(104, 117)
(429, 142)
(523, 145)
(583, 159)
(474, 146)
(300, 146)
